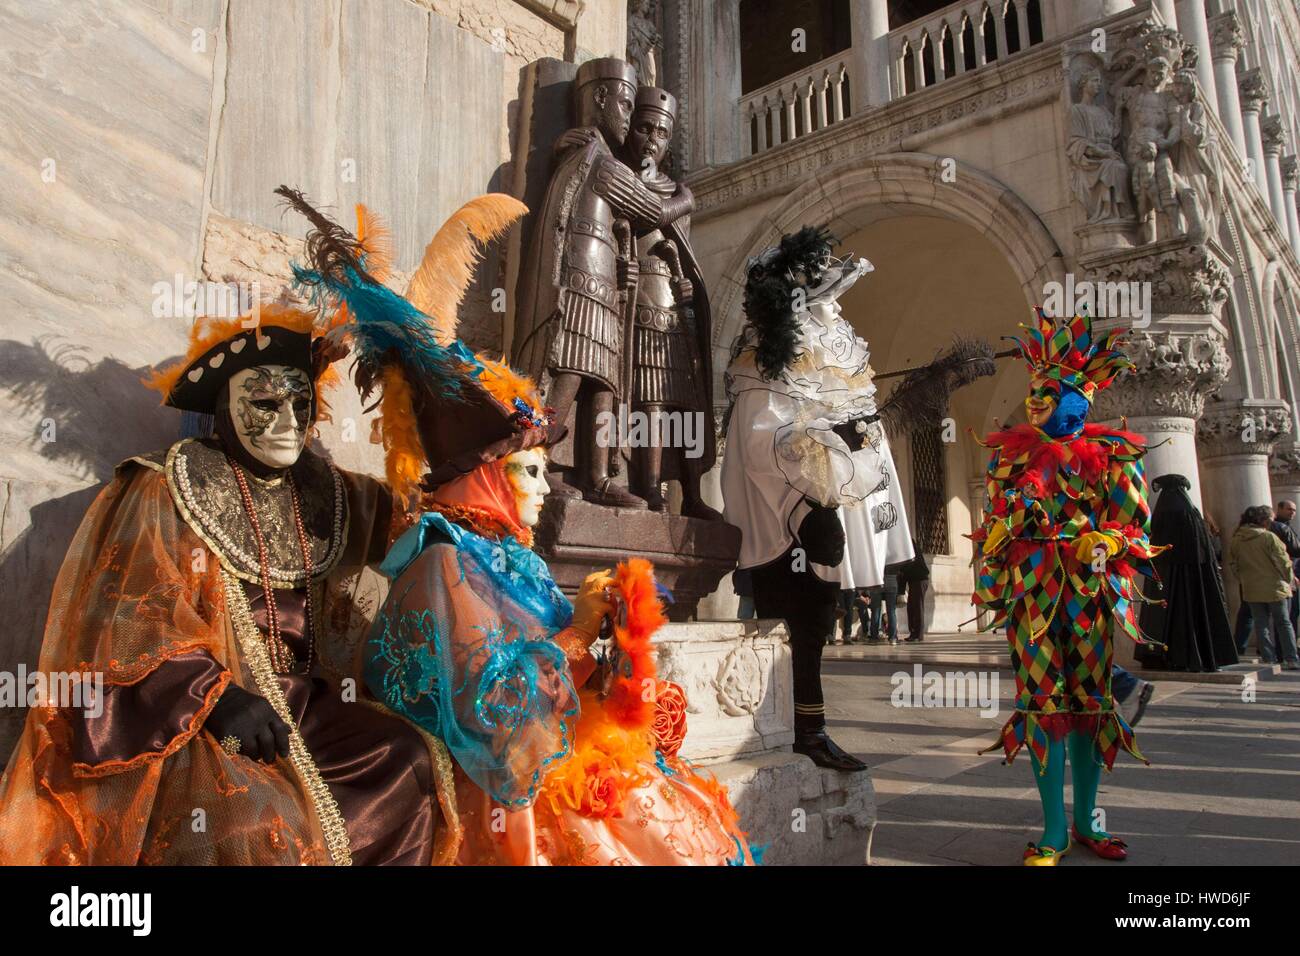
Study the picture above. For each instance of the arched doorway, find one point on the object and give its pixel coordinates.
(954, 251)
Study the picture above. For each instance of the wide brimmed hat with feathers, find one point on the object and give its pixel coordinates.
(218, 348)
(801, 260)
(443, 410)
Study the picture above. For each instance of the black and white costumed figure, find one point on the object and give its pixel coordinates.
(1192, 622)
(808, 476)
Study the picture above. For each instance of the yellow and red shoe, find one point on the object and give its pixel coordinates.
(1108, 848)
(1044, 855)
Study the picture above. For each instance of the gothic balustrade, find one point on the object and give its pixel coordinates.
(799, 104)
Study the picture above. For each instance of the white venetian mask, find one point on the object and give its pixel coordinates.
(527, 473)
(270, 407)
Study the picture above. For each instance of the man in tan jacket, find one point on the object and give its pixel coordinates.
(1259, 560)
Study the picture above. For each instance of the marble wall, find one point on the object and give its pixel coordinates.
(144, 140)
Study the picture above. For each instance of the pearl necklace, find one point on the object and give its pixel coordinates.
(282, 658)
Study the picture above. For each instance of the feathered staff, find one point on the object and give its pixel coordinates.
(921, 398)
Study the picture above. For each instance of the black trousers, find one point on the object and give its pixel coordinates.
(916, 607)
(809, 606)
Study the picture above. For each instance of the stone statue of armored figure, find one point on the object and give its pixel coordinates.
(671, 378)
(575, 304)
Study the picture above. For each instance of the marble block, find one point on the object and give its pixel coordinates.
(739, 727)
(798, 814)
(738, 684)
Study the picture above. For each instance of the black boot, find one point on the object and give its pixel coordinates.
(824, 752)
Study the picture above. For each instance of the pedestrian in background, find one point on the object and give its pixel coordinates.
(1259, 560)
(853, 602)
(743, 584)
(1243, 626)
(884, 602)
(914, 578)
(1283, 515)
(1189, 622)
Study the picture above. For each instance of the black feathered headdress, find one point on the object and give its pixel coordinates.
(797, 262)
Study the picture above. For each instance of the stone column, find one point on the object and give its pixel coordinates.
(1226, 42)
(1179, 360)
(1196, 32)
(1179, 354)
(869, 23)
(715, 60)
(1290, 179)
(1236, 440)
(1178, 363)
(1274, 137)
(1254, 97)
(1167, 12)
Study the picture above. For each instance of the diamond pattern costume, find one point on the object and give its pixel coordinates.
(1062, 546)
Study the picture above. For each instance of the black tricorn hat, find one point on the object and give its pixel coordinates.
(272, 336)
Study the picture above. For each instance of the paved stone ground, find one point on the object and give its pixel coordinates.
(1223, 786)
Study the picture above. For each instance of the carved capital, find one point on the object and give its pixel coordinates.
(1290, 173)
(1284, 463)
(1185, 277)
(1227, 39)
(1273, 134)
(1252, 88)
(1247, 427)
(1174, 373)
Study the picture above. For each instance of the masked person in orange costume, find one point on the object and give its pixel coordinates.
(561, 757)
(221, 587)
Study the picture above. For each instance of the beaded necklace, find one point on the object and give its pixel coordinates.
(282, 658)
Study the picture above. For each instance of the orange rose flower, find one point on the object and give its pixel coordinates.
(670, 718)
(601, 796)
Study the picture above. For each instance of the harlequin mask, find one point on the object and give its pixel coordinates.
(1055, 408)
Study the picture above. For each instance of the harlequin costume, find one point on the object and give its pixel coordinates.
(191, 578)
(1063, 542)
(560, 758)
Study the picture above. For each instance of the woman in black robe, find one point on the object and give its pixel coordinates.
(1193, 622)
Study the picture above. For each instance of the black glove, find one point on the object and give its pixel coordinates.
(822, 536)
(261, 732)
(849, 432)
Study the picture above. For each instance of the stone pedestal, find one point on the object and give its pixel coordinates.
(737, 679)
(740, 725)
(690, 555)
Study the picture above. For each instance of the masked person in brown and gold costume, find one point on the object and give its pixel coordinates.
(671, 373)
(222, 589)
(573, 292)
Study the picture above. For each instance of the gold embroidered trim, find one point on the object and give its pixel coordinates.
(444, 848)
(259, 663)
(234, 559)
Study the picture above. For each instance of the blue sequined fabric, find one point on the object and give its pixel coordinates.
(463, 648)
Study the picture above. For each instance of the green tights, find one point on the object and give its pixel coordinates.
(1086, 775)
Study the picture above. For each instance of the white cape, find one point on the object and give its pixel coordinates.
(780, 449)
